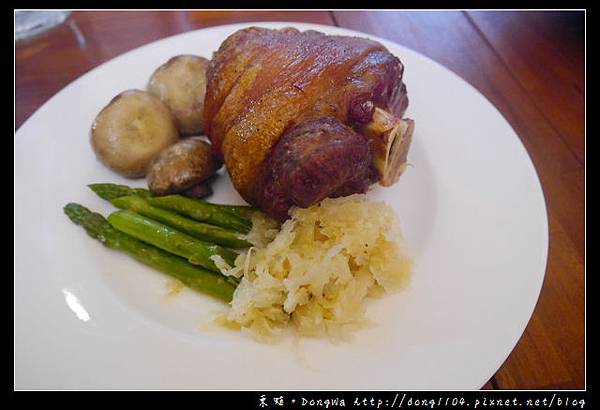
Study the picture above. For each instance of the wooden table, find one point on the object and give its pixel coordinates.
(529, 64)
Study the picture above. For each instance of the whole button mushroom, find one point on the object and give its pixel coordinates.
(182, 166)
(181, 84)
(131, 131)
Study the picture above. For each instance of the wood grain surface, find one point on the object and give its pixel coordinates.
(530, 65)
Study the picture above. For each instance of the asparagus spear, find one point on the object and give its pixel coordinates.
(242, 211)
(202, 211)
(171, 240)
(112, 191)
(194, 277)
(202, 231)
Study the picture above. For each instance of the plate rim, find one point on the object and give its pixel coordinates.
(342, 31)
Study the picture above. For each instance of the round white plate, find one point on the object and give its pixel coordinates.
(471, 207)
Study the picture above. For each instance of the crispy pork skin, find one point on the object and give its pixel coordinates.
(286, 111)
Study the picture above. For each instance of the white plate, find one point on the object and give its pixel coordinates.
(470, 206)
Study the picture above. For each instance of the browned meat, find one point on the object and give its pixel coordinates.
(286, 109)
(316, 159)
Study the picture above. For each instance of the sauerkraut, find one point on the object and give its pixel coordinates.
(316, 272)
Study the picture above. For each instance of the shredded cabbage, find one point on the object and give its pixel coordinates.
(316, 271)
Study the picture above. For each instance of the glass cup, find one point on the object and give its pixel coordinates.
(31, 23)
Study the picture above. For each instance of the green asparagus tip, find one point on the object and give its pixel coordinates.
(95, 224)
(112, 191)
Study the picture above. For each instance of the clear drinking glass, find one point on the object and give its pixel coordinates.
(30, 23)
